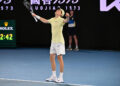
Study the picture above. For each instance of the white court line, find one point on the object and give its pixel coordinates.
(42, 82)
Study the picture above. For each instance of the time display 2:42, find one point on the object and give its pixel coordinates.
(6, 36)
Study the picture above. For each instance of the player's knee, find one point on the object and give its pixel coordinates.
(52, 57)
(59, 57)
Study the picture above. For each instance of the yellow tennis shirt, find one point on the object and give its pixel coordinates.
(57, 28)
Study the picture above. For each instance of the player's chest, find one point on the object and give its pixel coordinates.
(56, 23)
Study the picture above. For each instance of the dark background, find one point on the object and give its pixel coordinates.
(95, 29)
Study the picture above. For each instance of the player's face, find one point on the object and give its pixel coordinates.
(58, 12)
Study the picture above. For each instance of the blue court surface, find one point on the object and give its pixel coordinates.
(31, 66)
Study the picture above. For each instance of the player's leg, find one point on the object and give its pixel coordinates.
(52, 60)
(61, 62)
(76, 42)
(53, 64)
(60, 52)
(53, 77)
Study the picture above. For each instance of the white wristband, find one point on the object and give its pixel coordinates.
(38, 17)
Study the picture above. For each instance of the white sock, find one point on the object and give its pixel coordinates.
(61, 75)
(54, 73)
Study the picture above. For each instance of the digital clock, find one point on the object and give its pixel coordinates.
(7, 33)
(6, 37)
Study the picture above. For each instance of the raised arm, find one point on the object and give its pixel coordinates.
(40, 18)
(67, 18)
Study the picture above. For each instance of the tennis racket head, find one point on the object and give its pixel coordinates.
(28, 5)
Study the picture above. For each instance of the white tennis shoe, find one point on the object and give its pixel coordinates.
(52, 79)
(60, 80)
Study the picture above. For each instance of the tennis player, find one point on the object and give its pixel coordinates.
(57, 43)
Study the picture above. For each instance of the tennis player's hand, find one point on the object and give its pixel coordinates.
(67, 15)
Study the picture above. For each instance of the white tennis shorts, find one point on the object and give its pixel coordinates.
(57, 48)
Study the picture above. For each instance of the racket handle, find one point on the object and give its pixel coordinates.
(35, 19)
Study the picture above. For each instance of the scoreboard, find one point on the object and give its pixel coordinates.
(7, 33)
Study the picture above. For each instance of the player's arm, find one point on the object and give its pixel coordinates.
(67, 18)
(40, 18)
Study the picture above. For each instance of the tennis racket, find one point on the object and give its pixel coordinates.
(29, 8)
